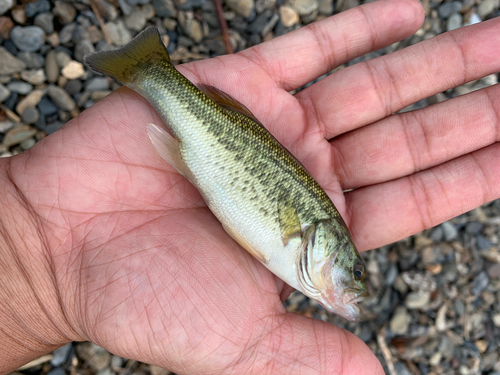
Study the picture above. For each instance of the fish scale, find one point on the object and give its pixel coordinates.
(264, 198)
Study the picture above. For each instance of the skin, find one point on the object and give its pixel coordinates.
(102, 241)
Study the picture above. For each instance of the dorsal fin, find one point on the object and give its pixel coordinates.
(226, 101)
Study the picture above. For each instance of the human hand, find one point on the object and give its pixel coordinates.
(141, 267)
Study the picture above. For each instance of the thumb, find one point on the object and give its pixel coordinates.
(300, 345)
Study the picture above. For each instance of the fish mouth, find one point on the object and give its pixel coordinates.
(354, 295)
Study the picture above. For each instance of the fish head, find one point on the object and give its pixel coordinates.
(336, 269)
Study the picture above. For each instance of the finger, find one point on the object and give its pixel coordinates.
(301, 56)
(377, 88)
(294, 344)
(385, 213)
(412, 141)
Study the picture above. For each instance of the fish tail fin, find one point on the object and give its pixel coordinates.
(123, 64)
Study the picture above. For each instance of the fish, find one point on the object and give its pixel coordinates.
(262, 195)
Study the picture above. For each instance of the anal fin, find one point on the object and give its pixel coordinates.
(169, 149)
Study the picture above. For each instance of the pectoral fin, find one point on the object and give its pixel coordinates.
(289, 220)
(169, 149)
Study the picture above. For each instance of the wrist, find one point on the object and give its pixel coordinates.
(31, 318)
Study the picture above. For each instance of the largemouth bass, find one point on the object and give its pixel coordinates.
(264, 198)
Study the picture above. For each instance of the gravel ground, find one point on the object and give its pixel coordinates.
(435, 306)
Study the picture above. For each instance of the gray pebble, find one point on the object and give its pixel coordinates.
(40, 6)
(125, 7)
(447, 9)
(474, 227)
(73, 87)
(97, 84)
(417, 300)
(243, 8)
(305, 7)
(482, 243)
(5, 5)
(64, 11)
(83, 48)
(216, 46)
(60, 355)
(479, 283)
(4, 93)
(326, 7)
(35, 77)
(18, 134)
(270, 24)
(30, 115)
(66, 33)
(256, 26)
(190, 4)
(487, 7)
(165, 8)
(6, 125)
(45, 21)
(29, 38)
(51, 128)
(118, 33)
(8, 63)
(32, 60)
(400, 321)
(46, 107)
(28, 143)
(20, 87)
(63, 59)
(61, 98)
(454, 22)
(450, 232)
(57, 371)
(402, 369)
(136, 20)
(437, 233)
(194, 30)
(51, 67)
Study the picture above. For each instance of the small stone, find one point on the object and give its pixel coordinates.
(325, 7)
(6, 125)
(474, 18)
(417, 300)
(117, 362)
(435, 359)
(28, 143)
(45, 21)
(32, 60)
(65, 12)
(97, 84)
(73, 70)
(169, 24)
(31, 100)
(242, 8)
(479, 283)
(63, 59)
(83, 48)
(19, 15)
(450, 232)
(493, 271)
(305, 7)
(57, 371)
(97, 357)
(18, 134)
(266, 30)
(445, 10)
(66, 33)
(441, 319)
(402, 369)
(40, 6)
(487, 7)
(61, 98)
(481, 345)
(8, 63)
(4, 93)
(107, 10)
(35, 77)
(60, 355)
(155, 370)
(400, 321)
(51, 67)
(29, 38)
(496, 320)
(136, 20)
(46, 107)
(5, 5)
(165, 8)
(54, 39)
(194, 30)
(474, 227)
(437, 233)
(288, 16)
(118, 33)
(98, 95)
(20, 87)
(6, 25)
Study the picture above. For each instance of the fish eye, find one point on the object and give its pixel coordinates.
(359, 271)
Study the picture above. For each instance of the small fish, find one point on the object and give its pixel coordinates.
(264, 198)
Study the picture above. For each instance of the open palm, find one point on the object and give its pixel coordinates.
(144, 269)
